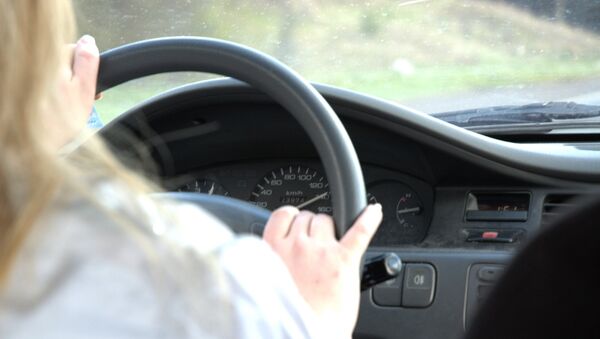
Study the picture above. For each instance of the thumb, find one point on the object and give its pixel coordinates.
(85, 64)
(358, 237)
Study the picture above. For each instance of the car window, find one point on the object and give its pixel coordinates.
(436, 55)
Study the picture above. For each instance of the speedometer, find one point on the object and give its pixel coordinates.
(297, 185)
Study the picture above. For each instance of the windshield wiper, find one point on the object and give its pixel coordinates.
(537, 117)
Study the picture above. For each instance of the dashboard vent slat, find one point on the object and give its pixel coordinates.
(556, 205)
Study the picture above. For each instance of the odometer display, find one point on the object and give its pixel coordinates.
(299, 186)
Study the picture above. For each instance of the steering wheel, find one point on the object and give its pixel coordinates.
(275, 79)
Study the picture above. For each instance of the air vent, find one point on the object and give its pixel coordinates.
(556, 205)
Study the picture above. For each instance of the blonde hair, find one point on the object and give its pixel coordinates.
(26, 169)
(34, 35)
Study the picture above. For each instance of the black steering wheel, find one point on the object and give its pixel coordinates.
(275, 79)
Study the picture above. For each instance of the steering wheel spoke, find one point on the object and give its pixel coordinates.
(240, 216)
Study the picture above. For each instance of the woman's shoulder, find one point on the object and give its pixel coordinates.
(121, 261)
(116, 211)
(148, 265)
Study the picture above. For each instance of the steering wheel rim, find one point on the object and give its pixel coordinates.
(267, 74)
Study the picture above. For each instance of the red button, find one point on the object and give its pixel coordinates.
(489, 235)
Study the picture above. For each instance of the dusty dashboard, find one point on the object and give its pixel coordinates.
(407, 202)
(451, 215)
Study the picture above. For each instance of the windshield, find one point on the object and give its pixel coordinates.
(435, 56)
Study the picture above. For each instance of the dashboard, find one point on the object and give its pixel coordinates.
(407, 201)
(457, 205)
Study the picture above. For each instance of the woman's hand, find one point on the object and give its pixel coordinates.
(325, 270)
(81, 87)
(77, 89)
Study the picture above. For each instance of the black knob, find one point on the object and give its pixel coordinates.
(379, 269)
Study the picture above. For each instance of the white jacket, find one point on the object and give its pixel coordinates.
(162, 270)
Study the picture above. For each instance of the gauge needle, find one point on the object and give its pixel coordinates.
(212, 189)
(306, 203)
(409, 210)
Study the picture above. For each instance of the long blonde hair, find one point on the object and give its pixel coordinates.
(34, 34)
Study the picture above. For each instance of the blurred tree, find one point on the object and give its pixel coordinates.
(116, 22)
(289, 12)
(580, 13)
(560, 10)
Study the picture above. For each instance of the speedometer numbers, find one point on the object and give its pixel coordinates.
(299, 186)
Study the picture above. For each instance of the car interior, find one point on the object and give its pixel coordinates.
(458, 205)
(489, 190)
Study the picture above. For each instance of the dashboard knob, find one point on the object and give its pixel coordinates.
(380, 269)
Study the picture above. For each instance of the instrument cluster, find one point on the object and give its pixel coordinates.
(407, 201)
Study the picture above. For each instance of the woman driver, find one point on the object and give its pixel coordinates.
(84, 252)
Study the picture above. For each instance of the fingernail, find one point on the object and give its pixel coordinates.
(372, 215)
(87, 39)
(376, 206)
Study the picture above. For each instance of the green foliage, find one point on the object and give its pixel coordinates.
(369, 24)
(381, 46)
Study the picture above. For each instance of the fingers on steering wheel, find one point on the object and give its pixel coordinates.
(86, 63)
(360, 234)
(301, 224)
(279, 223)
(322, 227)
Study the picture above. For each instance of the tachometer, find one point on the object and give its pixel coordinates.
(297, 185)
(207, 186)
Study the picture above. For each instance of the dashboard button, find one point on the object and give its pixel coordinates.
(480, 282)
(490, 273)
(494, 236)
(489, 235)
(389, 293)
(419, 285)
